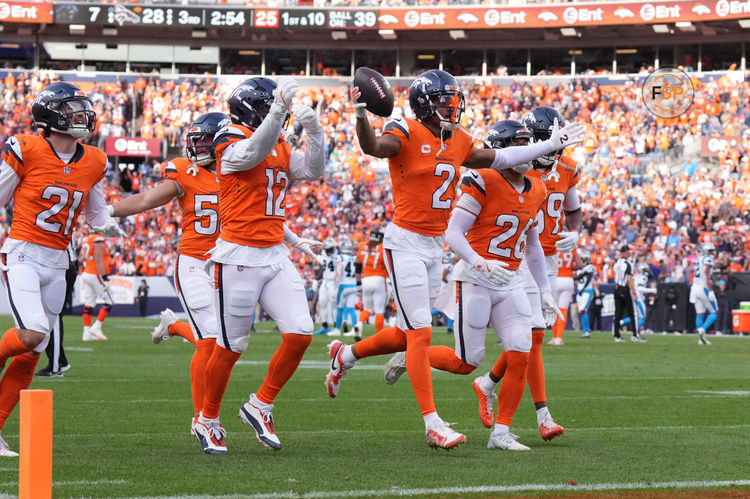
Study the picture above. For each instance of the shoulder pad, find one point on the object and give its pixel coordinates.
(400, 124)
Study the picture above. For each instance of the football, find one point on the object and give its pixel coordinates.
(376, 91)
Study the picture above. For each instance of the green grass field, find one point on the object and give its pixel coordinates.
(665, 415)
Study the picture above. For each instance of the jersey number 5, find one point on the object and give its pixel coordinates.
(209, 215)
(63, 197)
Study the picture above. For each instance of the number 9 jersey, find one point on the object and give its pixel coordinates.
(550, 218)
(199, 200)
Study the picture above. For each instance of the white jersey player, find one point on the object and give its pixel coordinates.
(640, 280)
(346, 287)
(585, 294)
(702, 294)
(326, 287)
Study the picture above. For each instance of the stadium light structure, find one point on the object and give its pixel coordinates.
(200, 33)
(338, 35)
(685, 25)
(457, 34)
(109, 31)
(569, 32)
(660, 28)
(744, 23)
(77, 29)
(387, 34)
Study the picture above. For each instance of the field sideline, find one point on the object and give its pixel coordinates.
(663, 416)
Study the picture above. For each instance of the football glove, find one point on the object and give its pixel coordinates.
(570, 134)
(712, 299)
(110, 229)
(494, 271)
(285, 91)
(549, 308)
(567, 242)
(306, 246)
(359, 107)
(307, 118)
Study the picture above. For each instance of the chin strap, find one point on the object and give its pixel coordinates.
(552, 174)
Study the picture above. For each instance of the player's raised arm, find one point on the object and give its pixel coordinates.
(380, 146)
(312, 164)
(146, 200)
(12, 159)
(97, 213)
(507, 157)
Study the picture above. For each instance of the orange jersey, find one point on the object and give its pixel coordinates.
(565, 264)
(87, 250)
(424, 178)
(199, 201)
(551, 215)
(372, 261)
(499, 232)
(51, 193)
(252, 202)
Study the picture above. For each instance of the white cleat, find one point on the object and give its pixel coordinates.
(96, 330)
(350, 333)
(262, 422)
(338, 369)
(88, 335)
(334, 332)
(505, 441)
(395, 367)
(193, 422)
(210, 434)
(702, 340)
(442, 436)
(161, 332)
(5, 449)
(556, 342)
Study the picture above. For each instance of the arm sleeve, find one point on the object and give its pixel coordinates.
(96, 210)
(249, 153)
(290, 237)
(312, 164)
(535, 256)
(455, 235)
(8, 182)
(571, 201)
(518, 155)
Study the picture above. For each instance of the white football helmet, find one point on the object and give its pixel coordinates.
(708, 249)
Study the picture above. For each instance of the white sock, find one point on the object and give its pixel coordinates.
(500, 428)
(541, 415)
(347, 356)
(203, 419)
(431, 420)
(261, 405)
(486, 384)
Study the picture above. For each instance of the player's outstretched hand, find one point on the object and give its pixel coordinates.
(310, 247)
(306, 117)
(570, 134)
(549, 309)
(286, 89)
(110, 229)
(567, 242)
(359, 107)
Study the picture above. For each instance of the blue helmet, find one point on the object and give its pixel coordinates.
(199, 142)
(436, 93)
(251, 101)
(540, 121)
(503, 133)
(64, 108)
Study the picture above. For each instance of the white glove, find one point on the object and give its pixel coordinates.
(494, 271)
(570, 134)
(549, 309)
(307, 118)
(712, 298)
(306, 246)
(567, 242)
(110, 229)
(286, 89)
(359, 107)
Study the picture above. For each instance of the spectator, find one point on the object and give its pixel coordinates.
(142, 297)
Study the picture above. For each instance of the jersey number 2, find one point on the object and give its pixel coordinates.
(63, 197)
(437, 197)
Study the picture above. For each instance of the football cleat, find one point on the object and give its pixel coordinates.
(193, 422)
(262, 422)
(5, 449)
(638, 339)
(350, 333)
(338, 367)
(505, 441)
(702, 340)
(49, 373)
(556, 342)
(486, 403)
(549, 429)
(96, 330)
(586, 334)
(395, 367)
(211, 435)
(89, 335)
(161, 332)
(444, 437)
(334, 332)
(619, 339)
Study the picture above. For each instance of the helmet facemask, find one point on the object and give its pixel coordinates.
(200, 148)
(449, 107)
(77, 118)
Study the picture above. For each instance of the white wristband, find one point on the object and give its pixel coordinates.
(111, 210)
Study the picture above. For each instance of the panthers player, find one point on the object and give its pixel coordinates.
(424, 155)
(50, 177)
(640, 279)
(374, 285)
(348, 272)
(585, 276)
(94, 285)
(702, 294)
(326, 288)
(249, 263)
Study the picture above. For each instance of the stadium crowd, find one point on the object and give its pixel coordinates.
(636, 185)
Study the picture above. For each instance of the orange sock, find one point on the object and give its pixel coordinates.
(512, 387)
(203, 350)
(182, 329)
(418, 367)
(387, 340)
(86, 316)
(379, 322)
(103, 313)
(218, 370)
(283, 364)
(11, 345)
(363, 316)
(498, 370)
(444, 358)
(536, 367)
(559, 327)
(17, 377)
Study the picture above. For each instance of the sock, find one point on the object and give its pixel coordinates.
(363, 316)
(559, 327)
(347, 356)
(585, 323)
(11, 345)
(625, 321)
(183, 330)
(487, 384)
(283, 364)
(541, 414)
(698, 321)
(709, 321)
(87, 316)
(379, 322)
(431, 420)
(103, 313)
(444, 358)
(387, 340)
(498, 370)
(339, 317)
(218, 370)
(449, 323)
(203, 350)
(535, 370)
(351, 314)
(17, 377)
(418, 367)
(500, 428)
(512, 387)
